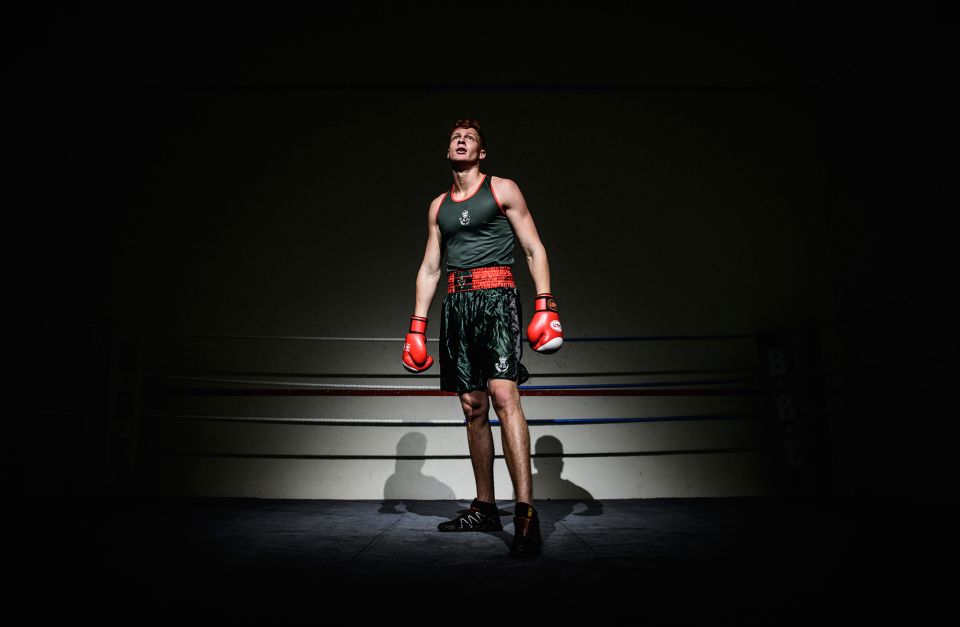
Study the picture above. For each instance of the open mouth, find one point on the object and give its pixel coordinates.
(461, 150)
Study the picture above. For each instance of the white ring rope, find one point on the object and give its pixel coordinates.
(308, 338)
(334, 386)
(303, 420)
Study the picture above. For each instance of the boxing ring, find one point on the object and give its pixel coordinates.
(683, 428)
(349, 478)
(330, 417)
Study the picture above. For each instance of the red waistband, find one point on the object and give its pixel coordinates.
(479, 278)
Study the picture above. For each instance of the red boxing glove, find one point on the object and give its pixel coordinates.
(544, 332)
(415, 357)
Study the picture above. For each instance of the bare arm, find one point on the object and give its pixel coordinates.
(526, 231)
(429, 274)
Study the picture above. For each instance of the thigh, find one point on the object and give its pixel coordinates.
(453, 344)
(502, 339)
(458, 347)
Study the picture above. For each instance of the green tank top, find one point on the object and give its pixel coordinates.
(475, 231)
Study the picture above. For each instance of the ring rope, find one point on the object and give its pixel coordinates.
(331, 386)
(330, 338)
(433, 391)
(422, 387)
(388, 422)
(435, 375)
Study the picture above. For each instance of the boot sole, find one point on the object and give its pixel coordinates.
(467, 529)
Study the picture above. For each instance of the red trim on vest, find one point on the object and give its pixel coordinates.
(450, 193)
(436, 217)
(497, 200)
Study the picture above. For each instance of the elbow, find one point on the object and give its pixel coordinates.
(430, 272)
(535, 252)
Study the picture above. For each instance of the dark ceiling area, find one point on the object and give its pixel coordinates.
(782, 46)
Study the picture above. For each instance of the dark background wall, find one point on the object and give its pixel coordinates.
(270, 175)
(887, 131)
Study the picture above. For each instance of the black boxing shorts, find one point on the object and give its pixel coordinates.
(480, 330)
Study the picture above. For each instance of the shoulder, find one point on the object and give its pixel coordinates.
(505, 185)
(435, 208)
(506, 192)
(436, 202)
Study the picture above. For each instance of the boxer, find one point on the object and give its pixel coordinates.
(476, 224)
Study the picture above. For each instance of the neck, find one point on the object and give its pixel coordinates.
(465, 180)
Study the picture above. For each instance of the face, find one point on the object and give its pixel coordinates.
(465, 146)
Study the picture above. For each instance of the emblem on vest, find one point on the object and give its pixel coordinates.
(502, 365)
(465, 218)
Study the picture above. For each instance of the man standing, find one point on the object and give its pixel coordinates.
(477, 224)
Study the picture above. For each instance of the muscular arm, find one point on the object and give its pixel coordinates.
(526, 231)
(429, 274)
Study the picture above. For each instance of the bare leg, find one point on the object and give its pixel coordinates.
(505, 397)
(476, 408)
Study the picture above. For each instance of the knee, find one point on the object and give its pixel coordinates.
(474, 409)
(504, 399)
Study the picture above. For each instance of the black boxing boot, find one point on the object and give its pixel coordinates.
(481, 516)
(526, 532)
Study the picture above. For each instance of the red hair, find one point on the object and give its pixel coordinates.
(470, 123)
